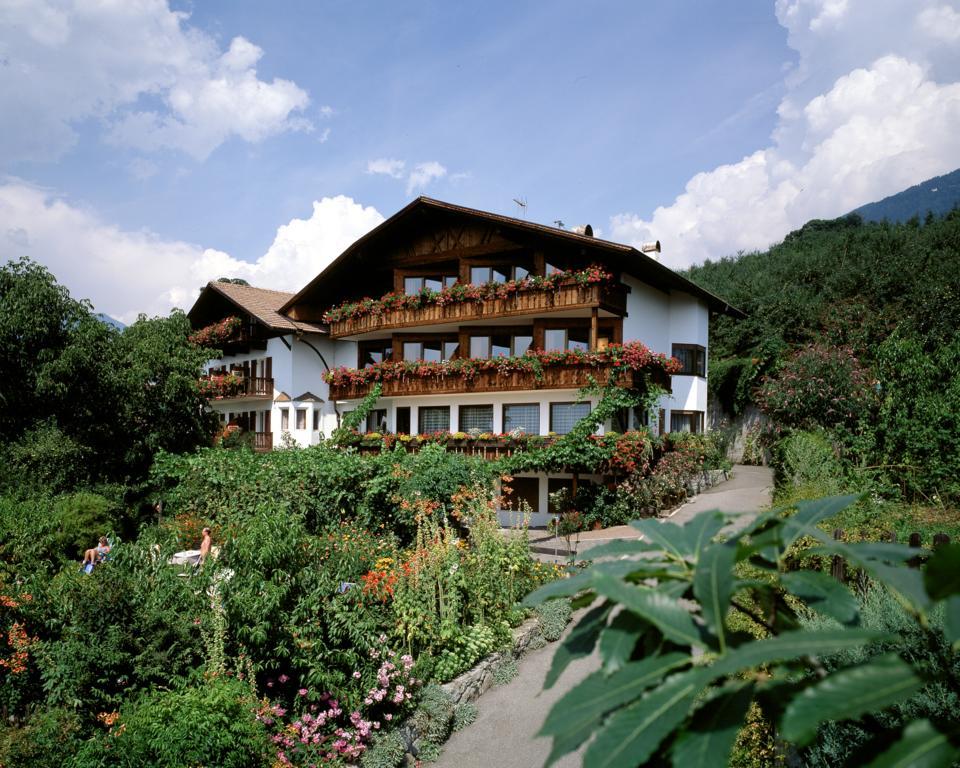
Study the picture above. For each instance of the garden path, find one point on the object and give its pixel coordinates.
(504, 733)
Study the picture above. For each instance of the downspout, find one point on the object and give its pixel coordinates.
(301, 339)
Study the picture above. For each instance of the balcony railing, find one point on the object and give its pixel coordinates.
(611, 298)
(230, 386)
(557, 377)
(262, 441)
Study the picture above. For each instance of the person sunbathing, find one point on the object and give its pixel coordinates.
(97, 554)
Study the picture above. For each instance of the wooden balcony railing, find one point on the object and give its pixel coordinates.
(262, 441)
(234, 387)
(554, 377)
(612, 298)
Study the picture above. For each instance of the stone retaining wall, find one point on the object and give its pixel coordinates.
(472, 684)
(706, 479)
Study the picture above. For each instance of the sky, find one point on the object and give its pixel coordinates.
(148, 146)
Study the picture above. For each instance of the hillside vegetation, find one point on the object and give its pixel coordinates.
(852, 334)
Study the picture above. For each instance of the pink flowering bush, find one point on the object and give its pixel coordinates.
(317, 730)
(818, 385)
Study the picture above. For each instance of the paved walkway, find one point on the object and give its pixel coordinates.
(504, 734)
(748, 490)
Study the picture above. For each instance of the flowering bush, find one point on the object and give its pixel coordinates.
(460, 293)
(818, 385)
(216, 333)
(632, 356)
(320, 730)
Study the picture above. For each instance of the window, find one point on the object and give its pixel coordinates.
(550, 269)
(520, 490)
(373, 352)
(301, 418)
(433, 351)
(525, 417)
(377, 420)
(692, 357)
(476, 417)
(284, 418)
(481, 275)
(631, 418)
(412, 285)
(567, 338)
(686, 421)
(434, 418)
(316, 420)
(500, 345)
(563, 416)
(403, 420)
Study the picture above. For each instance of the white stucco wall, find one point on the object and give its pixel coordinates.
(648, 313)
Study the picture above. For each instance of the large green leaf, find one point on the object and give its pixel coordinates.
(620, 548)
(809, 513)
(633, 733)
(713, 584)
(823, 593)
(578, 582)
(709, 738)
(905, 582)
(700, 529)
(862, 552)
(580, 642)
(576, 715)
(849, 693)
(942, 574)
(664, 612)
(793, 645)
(951, 621)
(671, 538)
(618, 640)
(921, 746)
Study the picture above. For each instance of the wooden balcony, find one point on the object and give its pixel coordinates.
(553, 377)
(222, 387)
(262, 442)
(610, 298)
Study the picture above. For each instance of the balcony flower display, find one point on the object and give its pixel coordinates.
(219, 385)
(216, 333)
(460, 293)
(632, 356)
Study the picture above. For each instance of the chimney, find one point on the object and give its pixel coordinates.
(588, 231)
(651, 248)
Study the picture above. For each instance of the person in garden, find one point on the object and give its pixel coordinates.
(205, 544)
(95, 555)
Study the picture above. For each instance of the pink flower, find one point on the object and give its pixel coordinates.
(283, 678)
(302, 692)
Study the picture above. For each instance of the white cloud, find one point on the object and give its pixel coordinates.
(154, 81)
(941, 22)
(871, 108)
(124, 273)
(387, 167)
(423, 174)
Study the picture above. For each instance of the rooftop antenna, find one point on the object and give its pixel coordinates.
(521, 206)
(558, 223)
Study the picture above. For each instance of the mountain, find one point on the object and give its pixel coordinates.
(107, 320)
(938, 195)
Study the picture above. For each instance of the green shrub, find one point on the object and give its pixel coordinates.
(48, 740)
(552, 617)
(212, 724)
(838, 742)
(433, 719)
(464, 715)
(806, 466)
(386, 751)
(505, 671)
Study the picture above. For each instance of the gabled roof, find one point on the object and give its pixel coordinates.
(262, 304)
(625, 257)
(308, 397)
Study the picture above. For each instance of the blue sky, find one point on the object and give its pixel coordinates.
(148, 147)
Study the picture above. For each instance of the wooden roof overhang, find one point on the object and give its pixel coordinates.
(365, 263)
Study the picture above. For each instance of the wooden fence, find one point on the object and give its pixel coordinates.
(838, 565)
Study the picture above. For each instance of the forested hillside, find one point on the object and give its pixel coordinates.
(938, 196)
(852, 329)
